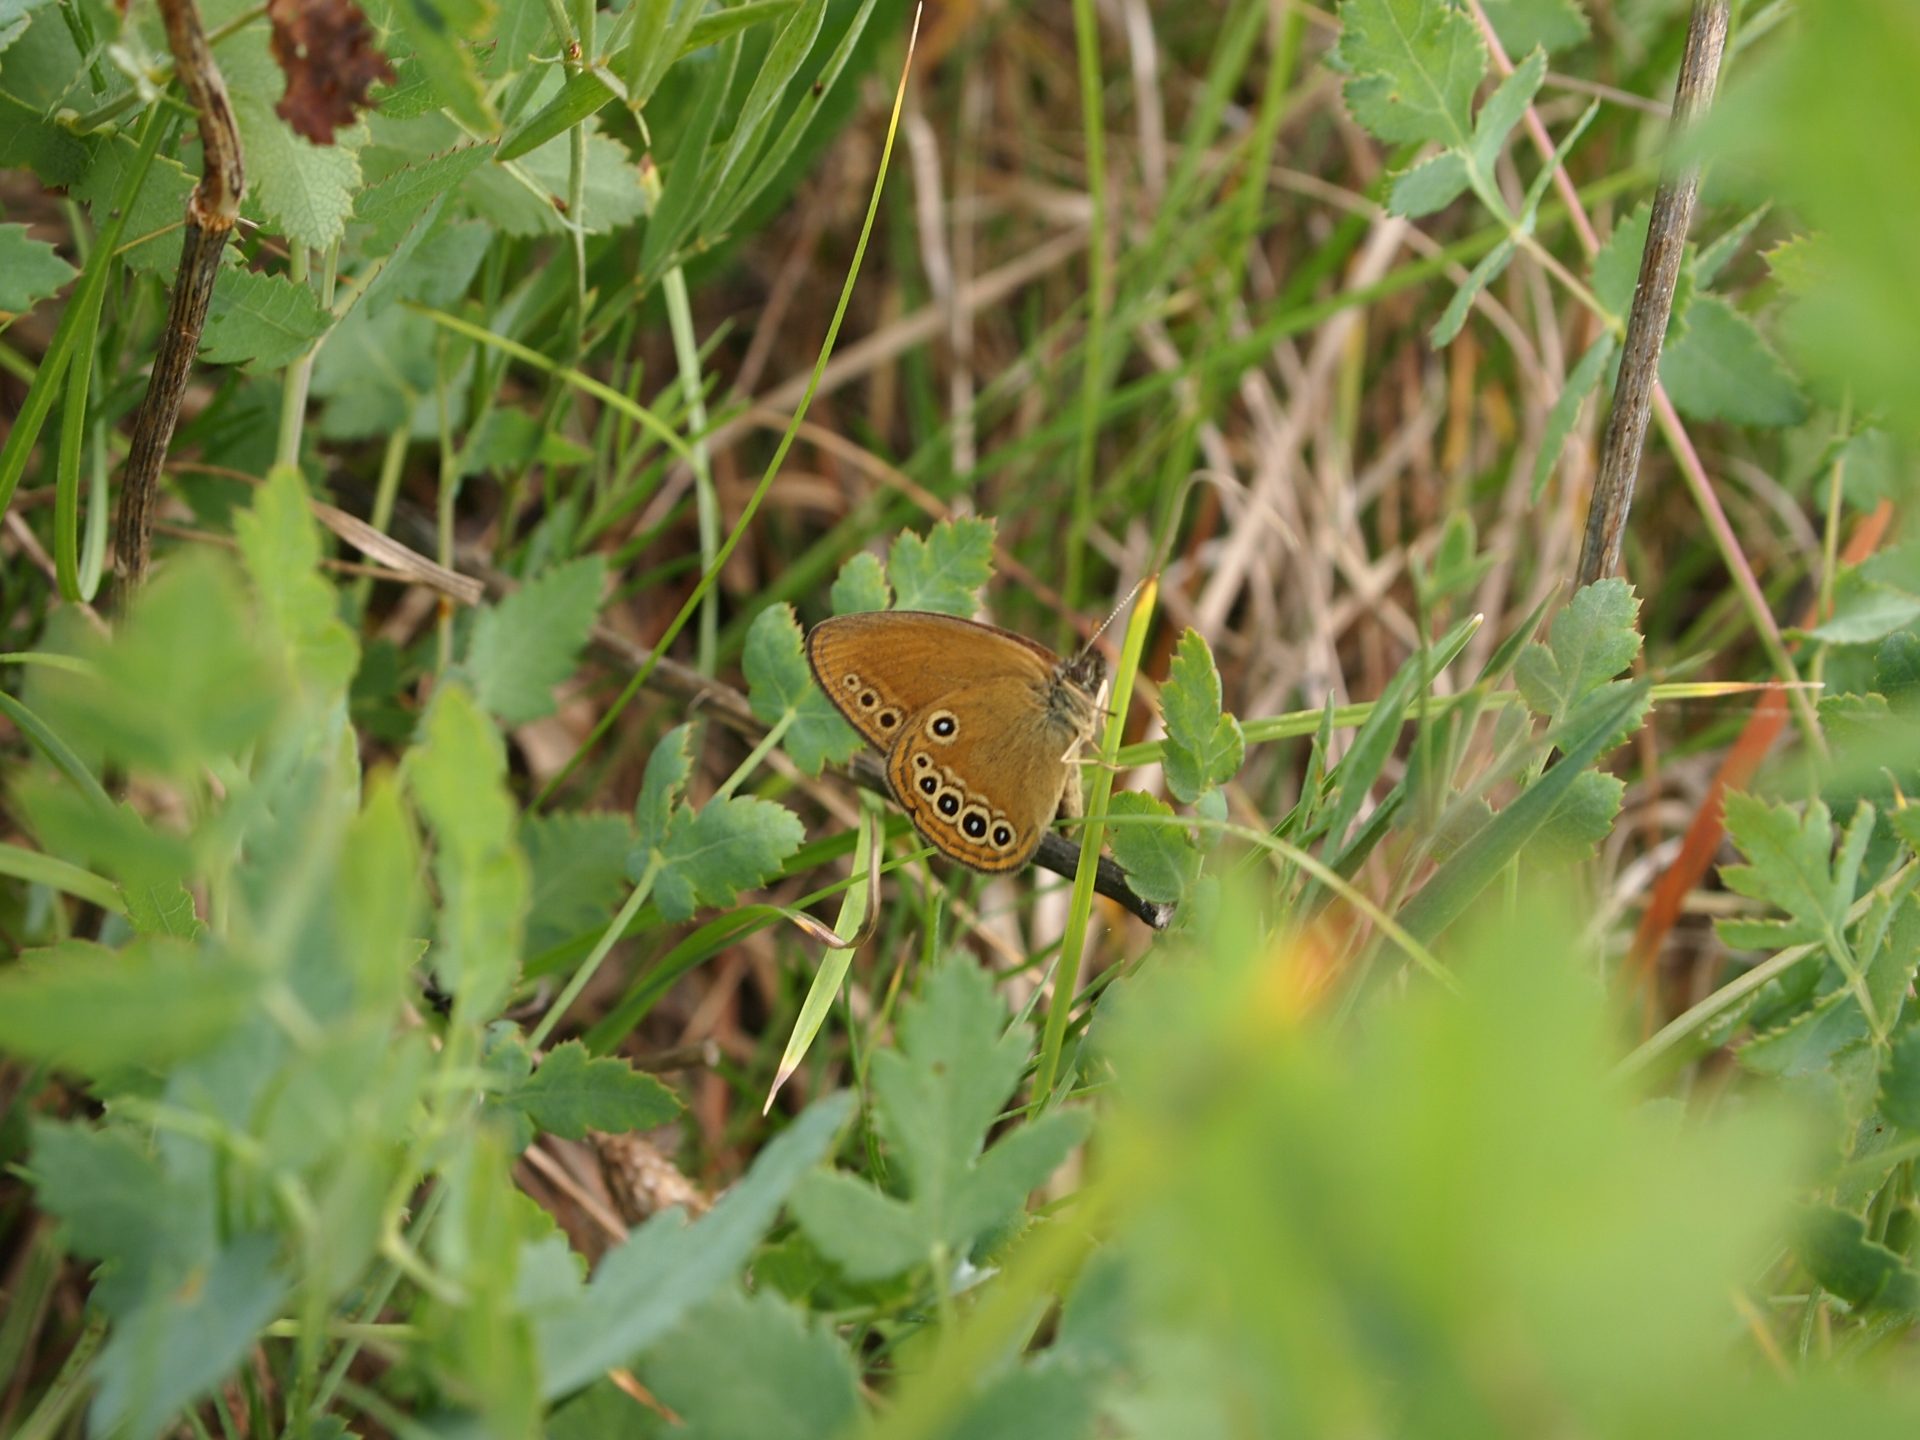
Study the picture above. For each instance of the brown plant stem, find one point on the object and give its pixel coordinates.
(211, 211)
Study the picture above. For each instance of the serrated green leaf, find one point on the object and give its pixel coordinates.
(666, 776)
(1581, 381)
(184, 1341)
(779, 684)
(281, 547)
(1041, 1400)
(1413, 68)
(754, 1368)
(116, 1204)
(1523, 24)
(1204, 745)
(162, 910)
(394, 202)
(1720, 368)
(1896, 670)
(1809, 1042)
(458, 777)
(861, 585)
(730, 844)
(1790, 859)
(302, 190)
(944, 572)
(935, 1099)
(531, 640)
(1161, 861)
(609, 197)
(1900, 1082)
(1504, 109)
(30, 270)
(1864, 612)
(572, 1093)
(1589, 643)
(577, 863)
(266, 320)
(1834, 1247)
(442, 32)
(1581, 821)
(1482, 275)
(643, 1288)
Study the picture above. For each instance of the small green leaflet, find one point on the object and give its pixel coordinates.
(945, 571)
(441, 32)
(572, 1093)
(861, 585)
(281, 547)
(1721, 368)
(1589, 643)
(1550, 24)
(703, 857)
(530, 641)
(1204, 745)
(30, 270)
(1792, 866)
(304, 191)
(1834, 1247)
(579, 864)
(935, 1099)
(1413, 67)
(780, 684)
(265, 320)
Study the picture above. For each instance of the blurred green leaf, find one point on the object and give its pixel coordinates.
(304, 191)
(531, 641)
(644, 1287)
(1833, 1245)
(1900, 1082)
(666, 776)
(753, 1368)
(1791, 866)
(780, 683)
(944, 572)
(935, 1099)
(1523, 24)
(1616, 269)
(83, 1007)
(572, 1093)
(578, 862)
(280, 545)
(1204, 745)
(117, 1204)
(1161, 861)
(441, 33)
(1581, 381)
(1865, 611)
(1482, 275)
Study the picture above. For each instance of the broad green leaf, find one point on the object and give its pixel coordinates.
(935, 1099)
(1478, 278)
(1581, 382)
(1589, 643)
(572, 1093)
(1204, 745)
(190, 638)
(780, 683)
(650, 1282)
(730, 844)
(30, 270)
(377, 374)
(442, 33)
(304, 191)
(186, 1340)
(1720, 368)
(280, 545)
(266, 320)
(458, 778)
(945, 571)
(1161, 861)
(530, 641)
(1616, 269)
(1413, 67)
(753, 1368)
(578, 861)
(155, 212)
(861, 585)
(1523, 24)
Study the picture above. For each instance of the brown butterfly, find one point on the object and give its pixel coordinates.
(979, 726)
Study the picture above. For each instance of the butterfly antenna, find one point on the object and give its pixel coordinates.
(1114, 614)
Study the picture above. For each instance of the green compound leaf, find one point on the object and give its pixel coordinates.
(1589, 643)
(730, 844)
(945, 571)
(1204, 745)
(861, 585)
(1161, 861)
(935, 1099)
(530, 641)
(779, 684)
(573, 1092)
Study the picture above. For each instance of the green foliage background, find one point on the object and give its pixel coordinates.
(346, 906)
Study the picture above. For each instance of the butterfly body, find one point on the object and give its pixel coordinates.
(979, 726)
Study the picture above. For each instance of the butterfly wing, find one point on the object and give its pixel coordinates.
(883, 666)
(980, 772)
